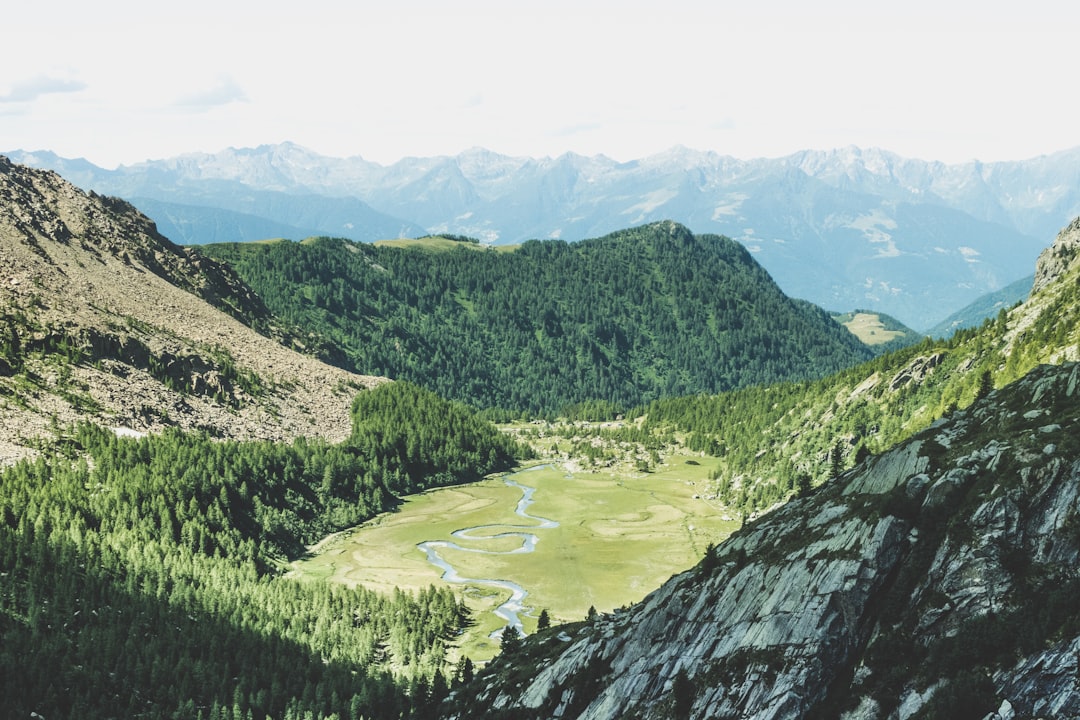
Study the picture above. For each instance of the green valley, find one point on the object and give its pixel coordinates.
(620, 535)
(197, 521)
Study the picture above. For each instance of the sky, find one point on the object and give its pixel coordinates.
(116, 81)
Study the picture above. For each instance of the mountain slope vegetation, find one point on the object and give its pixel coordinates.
(143, 576)
(776, 439)
(640, 314)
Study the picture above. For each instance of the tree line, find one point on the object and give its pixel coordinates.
(144, 577)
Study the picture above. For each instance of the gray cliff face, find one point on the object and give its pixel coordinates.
(938, 577)
(1056, 259)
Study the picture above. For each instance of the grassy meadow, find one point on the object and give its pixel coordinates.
(621, 535)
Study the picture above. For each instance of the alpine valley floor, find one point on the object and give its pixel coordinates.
(620, 535)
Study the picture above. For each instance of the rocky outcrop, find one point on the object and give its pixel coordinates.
(916, 371)
(935, 579)
(1056, 259)
(102, 318)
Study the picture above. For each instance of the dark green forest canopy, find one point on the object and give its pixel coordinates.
(139, 577)
(641, 314)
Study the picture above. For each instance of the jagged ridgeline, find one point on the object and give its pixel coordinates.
(140, 576)
(650, 312)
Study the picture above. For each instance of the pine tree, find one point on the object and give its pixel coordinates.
(463, 674)
(511, 641)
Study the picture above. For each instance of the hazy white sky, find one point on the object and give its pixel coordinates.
(118, 82)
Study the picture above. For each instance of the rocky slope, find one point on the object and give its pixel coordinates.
(103, 318)
(1057, 258)
(935, 580)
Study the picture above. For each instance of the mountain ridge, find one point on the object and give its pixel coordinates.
(914, 239)
(642, 313)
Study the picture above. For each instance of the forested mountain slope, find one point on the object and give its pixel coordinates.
(141, 576)
(103, 318)
(773, 440)
(640, 314)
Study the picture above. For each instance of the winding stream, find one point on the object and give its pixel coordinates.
(510, 609)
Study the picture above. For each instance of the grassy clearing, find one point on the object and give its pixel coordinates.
(439, 244)
(869, 328)
(621, 535)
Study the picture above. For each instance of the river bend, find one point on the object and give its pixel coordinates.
(509, 610)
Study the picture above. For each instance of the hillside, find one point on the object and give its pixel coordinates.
(936, 580)
(104, 319)
(769, 440)
(933, 579)
(651, 312)
(143, 577)
(879, 331)
(985, 307)
(845, 228)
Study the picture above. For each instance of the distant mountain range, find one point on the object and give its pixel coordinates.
(844, 229)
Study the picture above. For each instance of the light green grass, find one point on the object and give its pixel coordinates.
(620, 537)
(869, 328)
(438, 244)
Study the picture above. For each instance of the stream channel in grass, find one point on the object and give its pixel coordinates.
(510, 609)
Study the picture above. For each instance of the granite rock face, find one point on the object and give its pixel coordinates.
(938, 576)
(1056, 259)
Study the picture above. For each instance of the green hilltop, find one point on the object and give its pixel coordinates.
(641, 314)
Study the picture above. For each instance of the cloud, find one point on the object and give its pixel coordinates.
(224, 92)
(32, 89)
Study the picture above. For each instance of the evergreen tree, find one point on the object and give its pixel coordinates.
(463, 674)
(510, 642)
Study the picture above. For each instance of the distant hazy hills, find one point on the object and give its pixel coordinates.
(844, 229)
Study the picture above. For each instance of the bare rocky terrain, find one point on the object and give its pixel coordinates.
(149, 335)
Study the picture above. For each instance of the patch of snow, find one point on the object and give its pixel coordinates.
(970, 254)
(729, 205)
(652, 201)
